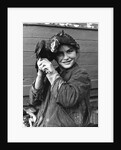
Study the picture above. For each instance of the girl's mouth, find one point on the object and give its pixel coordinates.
(67, 62)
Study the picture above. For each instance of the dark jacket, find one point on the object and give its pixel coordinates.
(66, 104)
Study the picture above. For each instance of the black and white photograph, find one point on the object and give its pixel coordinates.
(60, 74)
(60, 71)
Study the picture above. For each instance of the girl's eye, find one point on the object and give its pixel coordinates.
(70, 50)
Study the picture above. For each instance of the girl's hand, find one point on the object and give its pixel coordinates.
(46, 66)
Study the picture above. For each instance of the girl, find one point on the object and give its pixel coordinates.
(62, 94)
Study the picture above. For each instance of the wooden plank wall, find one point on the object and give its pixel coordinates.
(88, 40)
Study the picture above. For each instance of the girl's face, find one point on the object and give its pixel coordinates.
(66, 56)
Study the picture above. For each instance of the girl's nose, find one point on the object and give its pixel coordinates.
(65, 56)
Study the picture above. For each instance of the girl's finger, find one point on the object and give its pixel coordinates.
(40, 59)
(40, 62)
(41, 66)
(44, 68)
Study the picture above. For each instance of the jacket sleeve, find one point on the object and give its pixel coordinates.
(37, 96)
(73, 91)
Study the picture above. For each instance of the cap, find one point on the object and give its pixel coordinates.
(62, 39)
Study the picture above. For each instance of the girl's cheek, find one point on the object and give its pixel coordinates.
(73, 55)
(60, 58)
